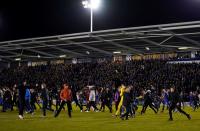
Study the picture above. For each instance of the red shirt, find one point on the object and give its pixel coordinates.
(66, 94)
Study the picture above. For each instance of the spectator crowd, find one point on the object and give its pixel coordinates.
(140, 74)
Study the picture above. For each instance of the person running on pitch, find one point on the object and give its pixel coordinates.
(44, 97)
(116, 98)
(127, 103)
(174, 100)
(122, 89)
(92, 99)
(148, 102)
(195, 101)
(66, 97)
(165, 99)
(75, 99)
(105, 99)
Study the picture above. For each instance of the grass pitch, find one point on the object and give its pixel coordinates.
(99, 121)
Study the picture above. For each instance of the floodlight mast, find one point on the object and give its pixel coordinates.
(91, 4)
(91, 19)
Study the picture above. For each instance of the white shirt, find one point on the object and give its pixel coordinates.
(199, 96)
(1, 93)
(92, 96)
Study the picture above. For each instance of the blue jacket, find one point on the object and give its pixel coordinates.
(28, 94)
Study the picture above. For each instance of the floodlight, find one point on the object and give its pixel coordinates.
(94, 4)
(85, 4)
(91, 4)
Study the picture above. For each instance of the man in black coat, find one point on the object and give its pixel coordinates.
(15, 98)
(174, 100)
(106, 97)
(148, 101)
(44, 96)
(127, 104)
(7, 100)
(21, 95)
(34, 101)
(74, 91)
(195, 101)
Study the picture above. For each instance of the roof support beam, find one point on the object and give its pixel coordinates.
(42, 53)
(6, 58)
(5, 47)
(64, 50)
(32, 50)
(185, 38)
(11, 52)
(147, 41)
(92, 48)
(166, 40)
(135, 51)
(155, 43)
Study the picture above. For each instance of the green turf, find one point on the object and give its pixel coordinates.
(99, 121)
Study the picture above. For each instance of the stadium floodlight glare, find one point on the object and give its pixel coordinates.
(117, 52)
(62, 56)
(94, 4)
(91, 4)
(85, 4)
(184, 48)
(18, 59)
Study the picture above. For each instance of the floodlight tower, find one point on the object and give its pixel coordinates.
(92, 5)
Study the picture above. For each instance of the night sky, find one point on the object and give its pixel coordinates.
(34, 18)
